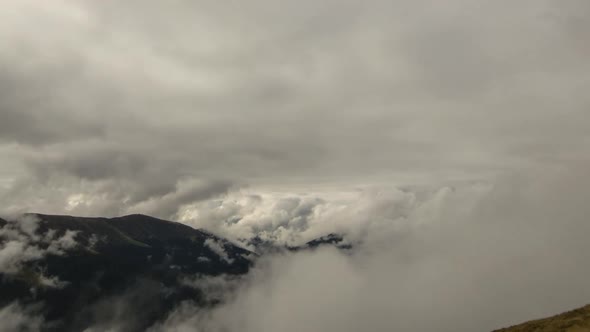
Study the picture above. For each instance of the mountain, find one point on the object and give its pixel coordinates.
(572, 321)
(76, 271)
(265, 246)
(330, 239)
(73, 268)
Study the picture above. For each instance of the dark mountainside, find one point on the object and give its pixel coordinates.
(142, 259)
(572, 321)
(138, 256)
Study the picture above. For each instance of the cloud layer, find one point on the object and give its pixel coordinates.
(515, 252)
(108, 107)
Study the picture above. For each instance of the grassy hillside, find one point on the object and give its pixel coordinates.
(572, 321)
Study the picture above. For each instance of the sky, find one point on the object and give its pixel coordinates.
(111, 106)
(435, 125)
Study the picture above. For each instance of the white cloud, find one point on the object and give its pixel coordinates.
(218, 248)
(21, 243)
(296, 218)
(450, 263)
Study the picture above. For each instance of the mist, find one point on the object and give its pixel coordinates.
(516, 253)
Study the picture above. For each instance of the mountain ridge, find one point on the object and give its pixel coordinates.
(69, 266)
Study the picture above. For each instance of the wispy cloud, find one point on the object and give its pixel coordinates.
(21, 243)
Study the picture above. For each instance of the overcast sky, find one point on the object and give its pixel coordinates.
(109, 106)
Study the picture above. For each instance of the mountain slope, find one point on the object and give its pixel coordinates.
(76, 271)
(73, 267)
(572, 321)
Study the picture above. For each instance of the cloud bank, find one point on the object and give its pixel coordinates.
(517, 252)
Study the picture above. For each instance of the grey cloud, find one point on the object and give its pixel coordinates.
(42, 127)
(336, 91)
(112, 197)
(188, 192)
(38, 108)
(127, 311)
(90, 163)
(14, 317)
